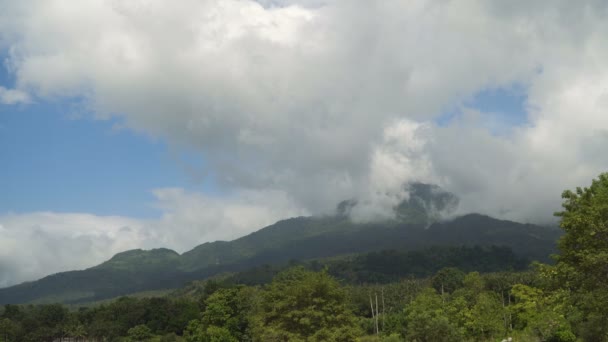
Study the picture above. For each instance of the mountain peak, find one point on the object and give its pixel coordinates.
(136, 258)
(425, 204)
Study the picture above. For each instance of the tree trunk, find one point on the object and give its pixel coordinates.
(377, 331)
(382, 289)
(371, 304)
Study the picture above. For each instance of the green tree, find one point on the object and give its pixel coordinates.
(301, 305)
(541, 314)
(582, 265)
(79, 332)
(226, 316)
(428, 319)
(222, 308)
(486, 318)
(8, 330)
(198, 332)
(474, 283)
(194, 332)
(139, 333)
(448, 279)
(12, 312)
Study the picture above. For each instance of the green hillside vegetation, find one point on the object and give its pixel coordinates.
(392, 265)
(415, 227)
(564, 302)
(138, 260)
(303, 305)
(358, 298)
(298, 238)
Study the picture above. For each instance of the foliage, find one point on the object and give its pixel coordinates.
(139, 333)
(226, 316)
(541, 314)
(304, 238)
(582, 265)
(9, 330)
(428, 319)
(448, 279)
(565, 302)
(301, 305)
(486, 316)
(393, 265)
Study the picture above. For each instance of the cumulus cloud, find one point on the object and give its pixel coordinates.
(37, 244)
(281, 96)
(33, 245)
(12, 96)
(192, 218)
(328, 100)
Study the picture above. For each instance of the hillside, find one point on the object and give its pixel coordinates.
(386, 266)
(297, 238)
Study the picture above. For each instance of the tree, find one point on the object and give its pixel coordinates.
(448, 279)
(486, 316)
(8, 330)
(226, 316)
(12, 312)
(428, 319)
(79, 332)
(302, 305)
(139, 333)
(541, 314)
(582, 265)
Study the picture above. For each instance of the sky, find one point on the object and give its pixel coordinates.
(156, 123)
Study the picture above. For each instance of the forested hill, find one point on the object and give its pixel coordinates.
(297, 238)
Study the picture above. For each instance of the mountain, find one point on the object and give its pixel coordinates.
(424, 204)
(388, 266)
(297, 238)
(418, 224)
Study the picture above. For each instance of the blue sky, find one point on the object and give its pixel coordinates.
(57, 157)
(53, 161)
(330, 102)
(504, 106)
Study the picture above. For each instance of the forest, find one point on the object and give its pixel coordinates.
(345, 301)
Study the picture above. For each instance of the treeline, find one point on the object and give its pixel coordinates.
(304, 305)
(392, 265)
(172, 317)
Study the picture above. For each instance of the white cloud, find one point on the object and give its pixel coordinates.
(36, 244)
(192, 218)
(323, 101)
(289, 98)
(398, 158)
(12, 96)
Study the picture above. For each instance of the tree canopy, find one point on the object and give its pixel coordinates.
(582, 265)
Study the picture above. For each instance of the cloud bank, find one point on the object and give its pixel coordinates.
(316, 102)
(36, 244)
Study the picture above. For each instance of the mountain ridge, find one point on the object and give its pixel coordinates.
(298, 238)
(419, 222)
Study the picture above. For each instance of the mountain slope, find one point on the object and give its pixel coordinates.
(297, 238)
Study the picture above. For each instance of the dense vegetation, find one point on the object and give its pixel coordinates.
(391, 265)
(303, 305)
(297, 305)
(564, 302)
